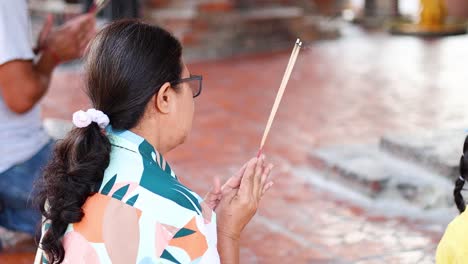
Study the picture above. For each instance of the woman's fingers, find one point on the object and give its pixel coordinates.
(267, 186)
(259, 165)
(265, 178)
(255, 181)
(235, 180)
(227, 198)
(214, 195)
(246, 185)
(216, 185)
(257, 188)
(213, 200)
(241, 171)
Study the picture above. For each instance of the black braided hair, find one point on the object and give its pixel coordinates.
(126, 64)
(460, 182)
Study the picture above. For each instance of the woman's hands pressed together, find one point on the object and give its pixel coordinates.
(236, 202)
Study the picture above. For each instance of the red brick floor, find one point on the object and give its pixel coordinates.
(350, 90)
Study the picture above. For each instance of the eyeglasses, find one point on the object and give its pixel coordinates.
(194, 82)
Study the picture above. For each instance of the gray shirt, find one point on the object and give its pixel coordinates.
(21, 135)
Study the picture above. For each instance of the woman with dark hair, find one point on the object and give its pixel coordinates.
(108, 195)
(452, 247)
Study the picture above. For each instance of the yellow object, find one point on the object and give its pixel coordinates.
(433, 13)
(453, 247)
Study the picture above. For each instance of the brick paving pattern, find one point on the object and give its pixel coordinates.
(350, 90)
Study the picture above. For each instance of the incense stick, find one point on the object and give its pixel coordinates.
(278, 95)
(296, 45)
(287, 74)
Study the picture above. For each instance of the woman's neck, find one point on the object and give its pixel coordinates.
(153, 136)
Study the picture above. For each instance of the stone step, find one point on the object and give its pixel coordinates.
(438, 151)
(380, 176)
(207, 35)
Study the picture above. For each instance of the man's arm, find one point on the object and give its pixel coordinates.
(23, 83)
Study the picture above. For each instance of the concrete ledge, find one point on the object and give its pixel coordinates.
(378, 175)
(439, 151)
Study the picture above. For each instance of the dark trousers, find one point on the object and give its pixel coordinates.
(18, 211)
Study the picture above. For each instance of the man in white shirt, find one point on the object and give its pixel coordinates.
(24, 79)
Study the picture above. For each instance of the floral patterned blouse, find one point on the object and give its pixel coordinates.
(142, 213)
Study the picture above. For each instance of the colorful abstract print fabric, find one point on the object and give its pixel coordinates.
(142, 213)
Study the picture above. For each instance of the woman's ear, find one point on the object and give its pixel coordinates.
(163, 98)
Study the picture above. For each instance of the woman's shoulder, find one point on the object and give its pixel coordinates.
(148, 170)
(140, 176)
(151, 189)
(459, 225)
(450, 248)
